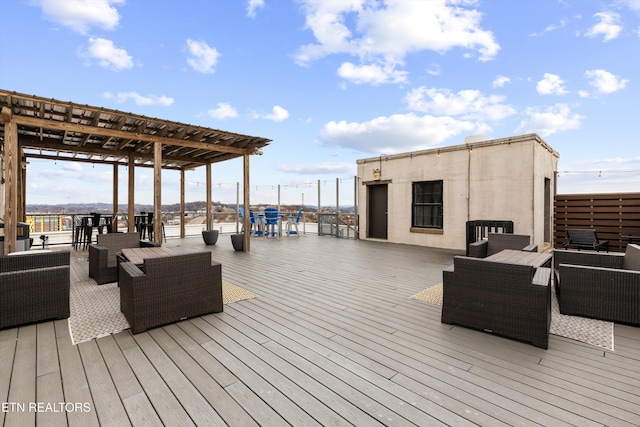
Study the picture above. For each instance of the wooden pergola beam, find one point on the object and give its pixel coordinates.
(86, 129)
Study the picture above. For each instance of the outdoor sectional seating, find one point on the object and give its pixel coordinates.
(103, 266)
(170, 288)
(599, 285)
(510, 300)
(34, 287)
(497, 242)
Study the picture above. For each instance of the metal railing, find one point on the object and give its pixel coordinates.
(337, 225)
(60, 228)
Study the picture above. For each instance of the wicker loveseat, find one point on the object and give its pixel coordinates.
(103, 266)
(599, 285)
(34, 287)
(497, 242)
(171, 288)
(511, 300)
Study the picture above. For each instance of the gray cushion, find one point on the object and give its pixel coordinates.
(632, 258)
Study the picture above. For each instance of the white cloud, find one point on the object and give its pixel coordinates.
(501, 81)
(122, 97)
(551, 84)
(631, 4)
(553, 119)
(434, 70)
(373, 74)
(319, 168)
(202, 57)
(604, 81)
(396, 133)
(609, 26)
(252, 6)
(108, 55)
(383, 33)
(80, 15)
(277, 114)
(468, 104)
(223, 111)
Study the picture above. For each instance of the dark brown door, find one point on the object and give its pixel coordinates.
(377, 212)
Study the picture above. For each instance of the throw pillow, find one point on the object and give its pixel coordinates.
(632, 258)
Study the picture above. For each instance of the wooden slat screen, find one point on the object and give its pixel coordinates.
(611, 215)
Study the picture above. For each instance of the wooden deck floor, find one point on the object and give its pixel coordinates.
(331, 339)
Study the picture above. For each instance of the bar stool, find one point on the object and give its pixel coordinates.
(140, 224)
(149, 226)
(78, 232)
(87, 229)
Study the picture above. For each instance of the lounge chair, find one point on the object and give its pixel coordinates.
(599, 285)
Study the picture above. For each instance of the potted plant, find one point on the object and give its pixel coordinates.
(210, 237)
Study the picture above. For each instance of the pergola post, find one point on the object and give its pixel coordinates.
(157, 192)
(182, 183)
(247, 203)
(12, 162)
(131, 206)
(114, 224)
(208, 197)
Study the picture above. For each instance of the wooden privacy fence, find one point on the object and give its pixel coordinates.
(613, 216)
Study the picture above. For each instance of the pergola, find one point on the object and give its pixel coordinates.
(36, 127)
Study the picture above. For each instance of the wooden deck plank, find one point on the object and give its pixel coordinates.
(332, 337)
(317, 389)
(195, 405)
(336, 377)
(8, 342)
(22, 389)
(248, 368)
(74, 380)
(378, 387)
(140, 410)
(165, 403)
(121, 373)
(107, 401)
(48, 382)
(202, 369)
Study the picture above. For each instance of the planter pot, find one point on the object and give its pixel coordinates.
(237, 240)
(210, 237)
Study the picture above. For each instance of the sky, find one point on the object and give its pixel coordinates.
(334, 81)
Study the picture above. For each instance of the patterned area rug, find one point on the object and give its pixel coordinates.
(591, 331)
(95, 310)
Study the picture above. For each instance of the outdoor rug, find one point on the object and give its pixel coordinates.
(95, 309)
(598, 333)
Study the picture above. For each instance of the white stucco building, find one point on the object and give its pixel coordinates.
(426, 197)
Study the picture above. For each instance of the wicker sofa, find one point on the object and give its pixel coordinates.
(497, 242)
(599, 285)
(103, 266)
(170, 288)
(34, 287)
(511, 300)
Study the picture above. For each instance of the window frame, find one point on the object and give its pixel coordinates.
(429, 205)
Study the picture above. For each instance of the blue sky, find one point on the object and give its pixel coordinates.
(331, 82)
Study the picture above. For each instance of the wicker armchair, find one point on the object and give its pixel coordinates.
(599, 285)
(34, 287)
(171, 288)
(103, 266)
(511, 300)
(498, 241)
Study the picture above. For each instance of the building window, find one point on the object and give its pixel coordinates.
(427, 205)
